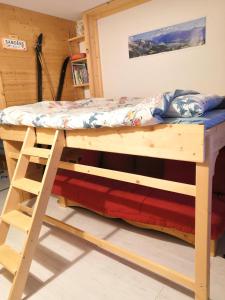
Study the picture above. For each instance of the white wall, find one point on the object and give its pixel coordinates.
(201, 68)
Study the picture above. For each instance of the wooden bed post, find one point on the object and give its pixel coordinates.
(203, 211)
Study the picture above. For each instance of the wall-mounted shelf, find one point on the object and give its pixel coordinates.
(78, 39)
(79, 60)
(81, 85)
(79, 67)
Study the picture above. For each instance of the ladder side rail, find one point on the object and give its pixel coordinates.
(37, 217)
(13, 195)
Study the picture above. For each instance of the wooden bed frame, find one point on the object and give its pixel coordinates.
(180, 142)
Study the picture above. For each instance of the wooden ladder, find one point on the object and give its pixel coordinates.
(18, 263)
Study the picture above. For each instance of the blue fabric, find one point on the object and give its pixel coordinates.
(188, 104)
(209, 119)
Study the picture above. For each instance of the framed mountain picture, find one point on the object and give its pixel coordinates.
(188, 34)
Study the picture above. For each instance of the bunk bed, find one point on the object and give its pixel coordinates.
(166, 141)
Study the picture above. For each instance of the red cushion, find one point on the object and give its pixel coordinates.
(136, 203)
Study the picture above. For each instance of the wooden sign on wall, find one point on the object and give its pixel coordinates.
(13, 43)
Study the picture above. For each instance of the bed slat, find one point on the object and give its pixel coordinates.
(167, 185)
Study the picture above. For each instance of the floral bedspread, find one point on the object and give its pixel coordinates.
(102, 112)
(88, 113)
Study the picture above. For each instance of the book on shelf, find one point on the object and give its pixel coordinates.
(79, 73)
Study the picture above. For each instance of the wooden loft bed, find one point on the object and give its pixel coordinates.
(162, 141)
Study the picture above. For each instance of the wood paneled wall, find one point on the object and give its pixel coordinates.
(18, 68)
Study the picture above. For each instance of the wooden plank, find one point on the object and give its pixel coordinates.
(76, 39)
(14, 196)
(126, 254)
(119, 251)
(81, 85)
(112, 7)
(79, 60)
(153, 141)
(28, 185)
(203, 210)
(162, 141)
(93, 56)
(37, 216)
(167, 185)
(14, 147)
(13, 133)
(37, 152)
(9, 258)
(17, 219)
(33, 159)
(11, 147)
(162, 184)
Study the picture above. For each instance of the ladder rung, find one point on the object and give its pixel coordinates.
(27, 185)
(37, 152)
(9, 258)
(17, 219)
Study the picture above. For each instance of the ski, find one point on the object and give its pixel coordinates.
(62, 79)
(38, 50)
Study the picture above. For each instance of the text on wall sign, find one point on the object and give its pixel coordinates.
(14, 44)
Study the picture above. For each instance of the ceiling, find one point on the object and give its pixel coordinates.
(67, 9)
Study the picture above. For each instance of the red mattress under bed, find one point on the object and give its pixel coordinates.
(137, 203)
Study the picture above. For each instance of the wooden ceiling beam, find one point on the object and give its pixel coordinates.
(112, 7)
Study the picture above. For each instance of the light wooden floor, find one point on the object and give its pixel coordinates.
(65, 267)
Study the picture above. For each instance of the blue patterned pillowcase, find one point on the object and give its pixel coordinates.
(188, 106)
